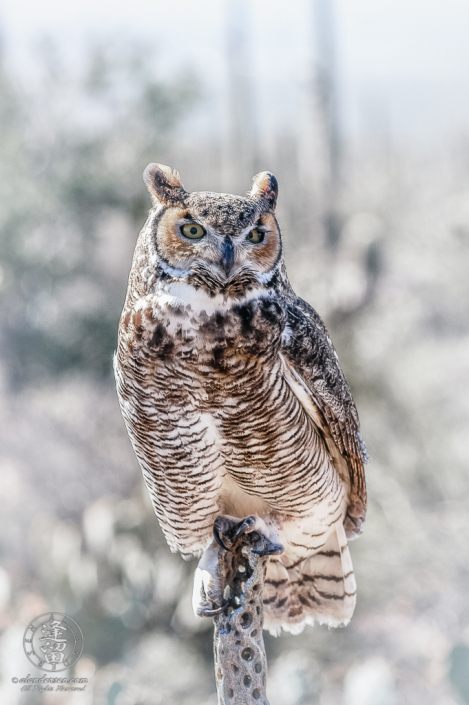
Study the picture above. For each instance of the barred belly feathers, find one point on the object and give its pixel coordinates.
(235, 402)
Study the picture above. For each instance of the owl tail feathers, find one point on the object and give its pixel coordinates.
(319, 589)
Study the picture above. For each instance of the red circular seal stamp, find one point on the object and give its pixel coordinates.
(53, 642)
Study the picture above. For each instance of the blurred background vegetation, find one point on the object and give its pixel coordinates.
(376, 234)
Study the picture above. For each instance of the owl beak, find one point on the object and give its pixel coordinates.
(227, 255)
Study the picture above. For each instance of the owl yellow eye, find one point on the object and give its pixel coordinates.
(255, 236)
(193, 231)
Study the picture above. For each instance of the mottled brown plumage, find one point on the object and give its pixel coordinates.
(235, 401)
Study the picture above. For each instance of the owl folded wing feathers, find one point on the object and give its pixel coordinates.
(312, 369)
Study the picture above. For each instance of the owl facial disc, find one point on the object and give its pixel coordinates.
(224, 240)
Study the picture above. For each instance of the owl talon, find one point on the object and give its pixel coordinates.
(246, 526)
(217, 537)
(270, 549)
(205, 612)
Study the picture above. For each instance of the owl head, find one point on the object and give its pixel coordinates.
(215, 240)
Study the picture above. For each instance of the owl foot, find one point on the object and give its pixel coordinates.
(207, 597)
(262, 537)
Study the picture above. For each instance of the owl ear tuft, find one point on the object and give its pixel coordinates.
(164, 183)
(265, 185)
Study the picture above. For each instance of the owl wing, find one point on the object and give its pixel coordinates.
(312, 361)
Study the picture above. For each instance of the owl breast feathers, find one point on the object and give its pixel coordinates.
(234, 399)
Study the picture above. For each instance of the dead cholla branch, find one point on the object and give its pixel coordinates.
(240, 660)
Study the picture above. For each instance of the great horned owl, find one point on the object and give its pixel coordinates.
(235, 402)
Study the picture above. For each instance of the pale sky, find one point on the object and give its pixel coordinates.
(411, 55)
